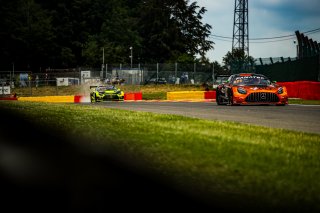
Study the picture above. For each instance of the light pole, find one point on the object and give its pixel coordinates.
(131, 56)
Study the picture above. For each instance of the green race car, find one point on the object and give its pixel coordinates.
(105, 93)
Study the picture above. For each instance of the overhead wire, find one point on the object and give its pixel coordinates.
(267, 39)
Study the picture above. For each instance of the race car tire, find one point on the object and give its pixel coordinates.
(218, 98)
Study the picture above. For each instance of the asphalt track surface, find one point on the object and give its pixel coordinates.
(305, 118)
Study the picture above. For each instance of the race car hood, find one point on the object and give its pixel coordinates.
(258, 88)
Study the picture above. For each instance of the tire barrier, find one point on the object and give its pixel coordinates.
(191, 95)
(307, 90)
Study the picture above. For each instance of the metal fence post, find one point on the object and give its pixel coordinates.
(176, 70)
(29, 81)
(13, 74)
(106, 71)
(319, 68)
(213, 73)
(194, 71)
(140, 73)
(157, 72)
(56, 88)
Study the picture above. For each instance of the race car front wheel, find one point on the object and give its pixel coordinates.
(231, 99)
(219, 99)
(93, 98)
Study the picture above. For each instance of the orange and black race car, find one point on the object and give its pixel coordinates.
(250, 88)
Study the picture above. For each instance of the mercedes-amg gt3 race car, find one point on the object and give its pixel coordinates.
(250, 88)
(105, 93)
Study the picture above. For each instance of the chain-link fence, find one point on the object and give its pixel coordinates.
(153, 73)
(73, 81)
(136, 75)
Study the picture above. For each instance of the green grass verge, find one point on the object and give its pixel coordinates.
(225, 160)
(305, 102)
(155, 96)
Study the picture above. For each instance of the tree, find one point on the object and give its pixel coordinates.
(170, 29)
(70, 33)
(28, 36)
(237, 61)
(220, 70)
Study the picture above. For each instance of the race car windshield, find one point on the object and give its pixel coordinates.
(251, 80)
(101, 89)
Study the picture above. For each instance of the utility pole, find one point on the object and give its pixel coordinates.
(131, 57)
(12, 86)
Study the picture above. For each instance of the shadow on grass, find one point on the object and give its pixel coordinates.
(42, 171)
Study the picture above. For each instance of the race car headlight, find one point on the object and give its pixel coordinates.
(280, 90)
(242, 90)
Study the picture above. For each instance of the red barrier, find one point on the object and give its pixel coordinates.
(11, 97)
(138, 96)
(8, 98)
(291, 88)
(133, 96)
(77, 98)
(210, 95)
(308, 90)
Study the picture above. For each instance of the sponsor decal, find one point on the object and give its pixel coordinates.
(249, 77)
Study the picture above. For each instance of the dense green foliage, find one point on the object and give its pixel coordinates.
(236, 61)
(238, 164)
(69, 33)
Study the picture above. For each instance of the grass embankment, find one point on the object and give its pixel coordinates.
(149, 92)
(230, 162)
